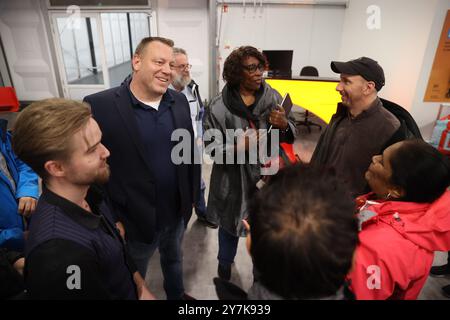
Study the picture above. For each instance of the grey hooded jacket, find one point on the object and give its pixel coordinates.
(230, 183)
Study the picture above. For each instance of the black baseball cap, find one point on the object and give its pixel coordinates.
(367, 68)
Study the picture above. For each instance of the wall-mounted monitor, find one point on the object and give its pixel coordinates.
(280, 62)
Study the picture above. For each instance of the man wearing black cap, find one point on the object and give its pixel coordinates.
(361, 127)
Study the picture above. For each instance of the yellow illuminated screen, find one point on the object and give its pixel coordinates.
(319, 97)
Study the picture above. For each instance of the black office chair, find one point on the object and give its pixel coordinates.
(308, 71)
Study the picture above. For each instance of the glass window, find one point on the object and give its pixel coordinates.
(80, 50)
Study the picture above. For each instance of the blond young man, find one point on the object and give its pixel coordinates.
(74, 250)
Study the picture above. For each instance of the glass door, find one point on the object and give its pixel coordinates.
(122, 32)
(94, 50)
(80, 54)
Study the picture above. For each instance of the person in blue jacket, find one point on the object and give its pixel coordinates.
(19, 191)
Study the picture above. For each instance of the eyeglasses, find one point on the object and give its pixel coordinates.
(253, 67)
(182, 66)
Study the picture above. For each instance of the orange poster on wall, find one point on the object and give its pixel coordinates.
(438, 89)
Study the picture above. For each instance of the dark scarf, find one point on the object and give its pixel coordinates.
(233, 101)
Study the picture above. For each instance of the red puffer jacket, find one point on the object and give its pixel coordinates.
(397, 245)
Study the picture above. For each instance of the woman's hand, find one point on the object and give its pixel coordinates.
(278, 119)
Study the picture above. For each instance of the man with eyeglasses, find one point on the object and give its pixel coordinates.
(182, 82)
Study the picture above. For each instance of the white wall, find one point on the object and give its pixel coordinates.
(313, 32)
(425, 113)
(403, 46)
(186, 23)
(27, 51)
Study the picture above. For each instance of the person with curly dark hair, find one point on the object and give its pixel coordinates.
(246, 102)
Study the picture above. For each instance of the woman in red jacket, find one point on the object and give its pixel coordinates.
(403, 221)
